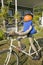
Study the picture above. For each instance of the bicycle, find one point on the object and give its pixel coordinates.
(10, 51)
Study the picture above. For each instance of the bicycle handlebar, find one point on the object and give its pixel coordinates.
(17, 39)
(21, 37)
(10, 37)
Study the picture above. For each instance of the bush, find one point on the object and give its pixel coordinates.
(1, 34)
(36, 22)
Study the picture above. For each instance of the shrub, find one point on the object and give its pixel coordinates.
(36, 22)
(1, 34)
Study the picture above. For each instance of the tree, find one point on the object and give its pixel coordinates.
(4, 11)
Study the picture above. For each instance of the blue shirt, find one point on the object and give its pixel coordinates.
(27, 25)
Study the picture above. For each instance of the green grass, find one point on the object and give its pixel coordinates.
(24, 60)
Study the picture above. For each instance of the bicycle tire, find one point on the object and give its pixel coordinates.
(14, 60)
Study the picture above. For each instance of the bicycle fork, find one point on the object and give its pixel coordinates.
(8, 55)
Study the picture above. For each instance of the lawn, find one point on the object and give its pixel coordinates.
(24, 59)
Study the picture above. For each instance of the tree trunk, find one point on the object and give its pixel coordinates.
(2, 3)
(15, 13)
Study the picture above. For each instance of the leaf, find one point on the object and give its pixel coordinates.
(17, 16)
(8, 1)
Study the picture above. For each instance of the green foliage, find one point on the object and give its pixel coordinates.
(4, 11)
(38, 9)
(36, 22)
(1, 34)
(37, 27)
(37, 14)
(17, 16)
(9, 1)
(10, 20)
(1, 17)
(3, 14)
(36, 19)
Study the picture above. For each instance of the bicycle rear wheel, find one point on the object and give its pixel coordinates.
(8, 58)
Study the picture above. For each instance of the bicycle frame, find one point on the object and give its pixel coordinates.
(13, 46)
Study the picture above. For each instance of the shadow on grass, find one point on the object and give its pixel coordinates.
(42, 62)
(14, 63)
(3, 42)
(23, 58)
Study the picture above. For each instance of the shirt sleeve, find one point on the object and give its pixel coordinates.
(30, 23)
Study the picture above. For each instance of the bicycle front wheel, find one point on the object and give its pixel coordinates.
(7, 58)
(11, 59)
